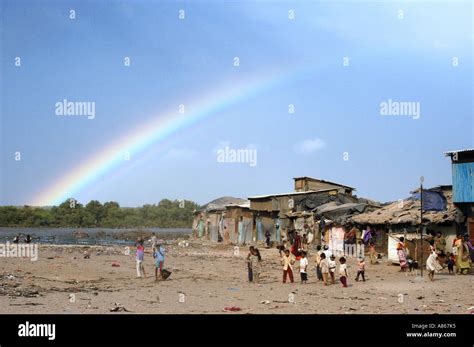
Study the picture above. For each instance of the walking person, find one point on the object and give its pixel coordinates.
(249, 264)
(256, 264)
(361, 269)
(402, 254)
(267, 238)
(139, 257)
(159, 256)
(343, 271)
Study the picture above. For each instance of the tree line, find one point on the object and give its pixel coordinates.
(166, 214)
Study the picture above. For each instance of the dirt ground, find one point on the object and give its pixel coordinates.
(208, 278)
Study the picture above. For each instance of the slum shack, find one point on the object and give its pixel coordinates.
(208, 222)
(238, 224)
(304, 184)
(462, 163)
(402, 218)
(334, 219)
(293, 212)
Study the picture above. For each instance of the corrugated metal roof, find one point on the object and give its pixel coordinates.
(291, 193)
(323, 181)
(459, 151)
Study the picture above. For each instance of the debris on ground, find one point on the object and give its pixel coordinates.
(232, 309)
(118, 308)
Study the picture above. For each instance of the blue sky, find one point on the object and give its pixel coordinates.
(402, 56)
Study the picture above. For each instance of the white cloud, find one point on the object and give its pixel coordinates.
(309, 146)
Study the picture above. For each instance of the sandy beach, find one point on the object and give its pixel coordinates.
(207, 278)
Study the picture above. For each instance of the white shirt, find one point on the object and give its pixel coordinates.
(332, 265)
(303, 264)
(342, 269)
(328, 254)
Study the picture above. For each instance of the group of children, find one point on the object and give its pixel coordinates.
(158, 255)
(325, 267)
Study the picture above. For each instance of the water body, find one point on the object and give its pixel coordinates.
(89, 236)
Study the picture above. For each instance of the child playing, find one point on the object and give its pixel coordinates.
(255, 263)
(332, 267)
(139, 258)
(451, 259)
(324, 265)
(303, 268)
(159, 256)
(361, 269)
(287, 261)
(343, 271)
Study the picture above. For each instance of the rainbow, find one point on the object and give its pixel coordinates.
(158, 129)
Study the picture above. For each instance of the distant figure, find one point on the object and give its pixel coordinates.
(361, 269)
(332, 268)
(16, 239)
(140, 257)
(402, 255)
(304, 243)
(154, 241)
(440, 243)
(463, 258)
(287, 261)
(249, 264)
(255, 263)
(303, 268)
(451, 259)
(324, 265)
(28, 239)
(343, 271)
(159, 256)
(267, 238)
(319, 274)
(432, 265)
(327, 252)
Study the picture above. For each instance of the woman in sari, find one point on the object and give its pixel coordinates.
(463, 259)
(402, 255)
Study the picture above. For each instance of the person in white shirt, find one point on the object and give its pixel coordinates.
(343, 271)
(332, 268)
(327, 252)
(153, 241)
(303, 268)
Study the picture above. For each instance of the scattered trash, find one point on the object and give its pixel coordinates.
(118, 308)
(420, 297)
(10, 277)
(50, 258)
(232, 309)
(266, 302)
(115, 264)
(470, 308)
(233, 289)
(165, 274)
(183, 244)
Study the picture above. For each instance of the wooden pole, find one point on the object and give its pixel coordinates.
(421, 227)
